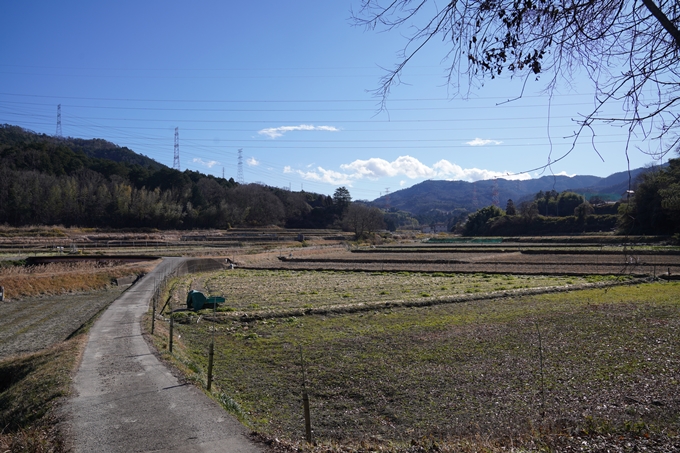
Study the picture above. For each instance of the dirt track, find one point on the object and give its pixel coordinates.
(125, 400)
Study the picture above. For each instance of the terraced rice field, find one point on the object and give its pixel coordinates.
(550, 260)
(549, 368)
(498, 370)
(255, 289)
(34, 323)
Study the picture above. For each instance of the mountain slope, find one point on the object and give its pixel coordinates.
(17, 138)
(451, 195)
(48, 180)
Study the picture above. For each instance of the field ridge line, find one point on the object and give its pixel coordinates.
(425, 302)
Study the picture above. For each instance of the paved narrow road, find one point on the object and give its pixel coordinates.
(125, 400)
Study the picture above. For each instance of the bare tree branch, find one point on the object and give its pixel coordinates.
(630, 49)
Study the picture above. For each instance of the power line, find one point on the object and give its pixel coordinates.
(278, 101)
(456, 143)
(240, 110)
(339, 121)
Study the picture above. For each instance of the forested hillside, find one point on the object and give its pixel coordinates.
(652, 208)
(655, 205)
(448, 196)
(75, 182)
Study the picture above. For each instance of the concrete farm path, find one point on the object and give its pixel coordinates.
(126, 400)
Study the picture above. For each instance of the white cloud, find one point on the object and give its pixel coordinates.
(209, 164)
(448, 170)
(274, 132)
(483, 142)
(322, 175)
(410, 167)
(375, 167)
(253, 162)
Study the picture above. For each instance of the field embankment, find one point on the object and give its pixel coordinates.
(58, 278)
(499, 259)
(32, 386)
(580, 370)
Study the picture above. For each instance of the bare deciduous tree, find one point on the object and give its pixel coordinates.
(363, 219)
(629, 49)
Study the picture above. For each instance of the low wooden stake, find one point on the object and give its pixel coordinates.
(153, 314)
(305, 401)
(540, 355)
(308, 422)
(172, 324)
(211, 354)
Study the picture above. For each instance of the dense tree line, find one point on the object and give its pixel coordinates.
(548, 213)
(49, 180)
(654, 207)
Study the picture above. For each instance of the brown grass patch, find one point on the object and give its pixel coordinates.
(59, 278)
(31, 388)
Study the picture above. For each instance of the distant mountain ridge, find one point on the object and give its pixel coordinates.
(448, 196)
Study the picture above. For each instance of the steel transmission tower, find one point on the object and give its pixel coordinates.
(239, 172)
(494, 193)
(59, 134)
(475, 202)
(175, 162)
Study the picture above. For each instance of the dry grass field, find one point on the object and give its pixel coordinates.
(275, 293)
(58, 278)
(35, 323)
(45, 304)
(506, 259)
(582, 370)
(45, 309)
(423, 353)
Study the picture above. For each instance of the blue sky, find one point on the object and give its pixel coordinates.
(290, 84)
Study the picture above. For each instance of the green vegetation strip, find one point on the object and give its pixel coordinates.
(610, 364)
(425, 301)
(248, 290)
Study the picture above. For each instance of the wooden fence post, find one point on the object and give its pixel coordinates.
(172, 323)
(211, 354)
(305, 401)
